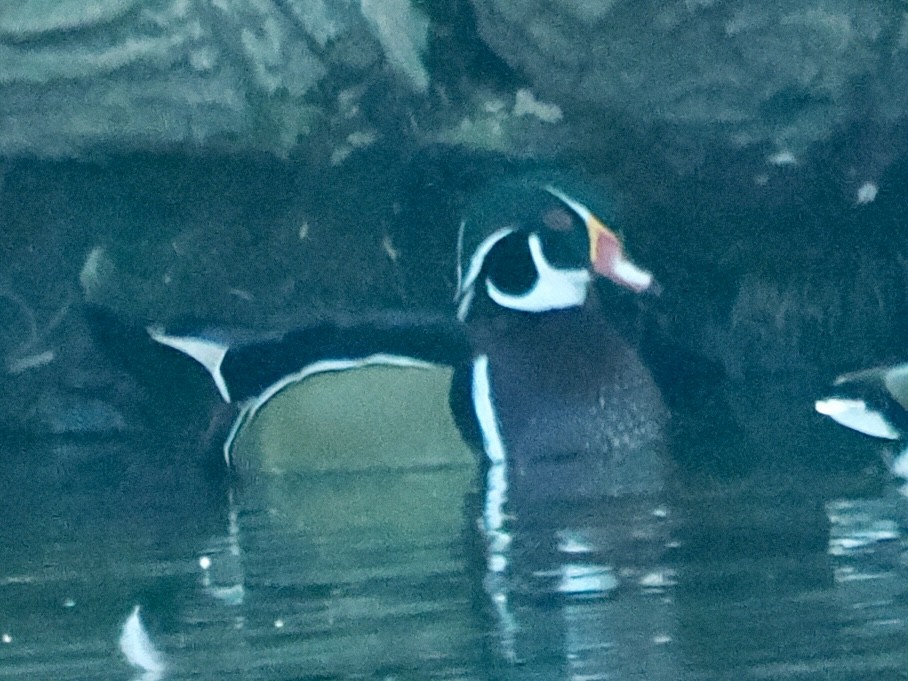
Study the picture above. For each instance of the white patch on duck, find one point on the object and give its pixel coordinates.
(493, 515)
(582, 211)
(466, 280)
(896, 381)
(210, 354)
(138, 649)
(555, 288)
(857, 415)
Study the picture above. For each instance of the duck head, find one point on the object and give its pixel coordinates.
(534, 245)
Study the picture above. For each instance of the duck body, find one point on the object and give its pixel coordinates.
(874, 402)
(871, 401)
(571, 421)
(205, 385)
(575, 412)
(580, 415)
(402, 363)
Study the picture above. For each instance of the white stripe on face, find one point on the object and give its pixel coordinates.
(466, 281)
(555, 288)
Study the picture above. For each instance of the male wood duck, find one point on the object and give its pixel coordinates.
(566, 409)
(557, 391)
(873, 402)
(551, 385)
(536, 378)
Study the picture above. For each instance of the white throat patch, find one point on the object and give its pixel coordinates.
(555, 289)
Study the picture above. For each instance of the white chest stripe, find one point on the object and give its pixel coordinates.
(555, 289)
(493, 516)
(493, 513)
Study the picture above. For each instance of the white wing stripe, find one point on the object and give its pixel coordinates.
(208, 353)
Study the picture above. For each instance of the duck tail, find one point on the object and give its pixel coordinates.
(171, 367)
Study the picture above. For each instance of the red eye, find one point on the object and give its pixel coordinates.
(558, 219)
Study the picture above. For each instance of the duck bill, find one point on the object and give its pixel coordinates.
(608, 259)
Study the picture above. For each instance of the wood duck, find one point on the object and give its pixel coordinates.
(873, 402)
(537, 380)
(564, 403)
(540, 377)
(566, 410)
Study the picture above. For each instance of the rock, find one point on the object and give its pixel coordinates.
(104, 76)
(703, 73)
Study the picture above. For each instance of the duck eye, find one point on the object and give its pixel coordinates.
(560, 249)
(558, 219)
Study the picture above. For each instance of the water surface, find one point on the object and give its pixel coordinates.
(782, 573)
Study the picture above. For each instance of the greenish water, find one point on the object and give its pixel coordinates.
(779, 556)
(779, 574)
